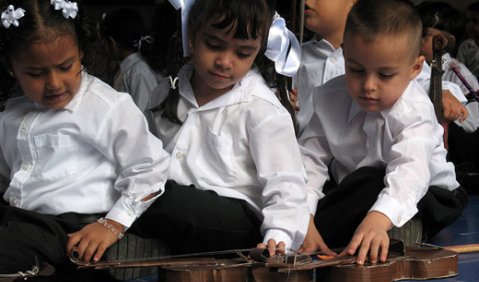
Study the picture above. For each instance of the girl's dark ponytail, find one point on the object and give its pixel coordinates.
(175, 61)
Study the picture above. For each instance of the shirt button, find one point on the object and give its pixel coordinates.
(26, 167)
(333, 59)
(23, 131)
(13, 202)
(179, 155)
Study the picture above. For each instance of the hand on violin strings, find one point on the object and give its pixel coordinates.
(314, 242)
(273, 247)
(370, 238)
(91, 242)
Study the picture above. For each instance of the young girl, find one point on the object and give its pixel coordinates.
(81, 163)
(127, 37)
(229, 137)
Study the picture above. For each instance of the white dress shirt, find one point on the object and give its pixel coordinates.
(94, 156)
(468, 54)
(405, 139)
(320, 62)
(472, 122)
(240, 145)
(137, 78)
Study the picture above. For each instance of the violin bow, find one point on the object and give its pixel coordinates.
(460, 249)
(473, 94)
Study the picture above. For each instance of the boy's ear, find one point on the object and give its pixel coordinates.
(417, 66)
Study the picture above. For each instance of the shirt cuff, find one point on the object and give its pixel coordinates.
(313, 200)
(397, 212)
(126, 210)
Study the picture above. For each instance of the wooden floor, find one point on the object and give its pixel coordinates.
(463, 231)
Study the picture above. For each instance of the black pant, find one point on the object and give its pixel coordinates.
(28, 237)
(345, 205)
(190, 220)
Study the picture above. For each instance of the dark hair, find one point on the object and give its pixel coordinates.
(441, 16)
(41, 22)
(473, 7)
(250, 19)
(163, 29)
(127, 28)
(373, 18)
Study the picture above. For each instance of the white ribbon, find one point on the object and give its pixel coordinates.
(173, 82)
(185, 6)
(286, 60)
(11, 16)
(146, 38)
(69, 9)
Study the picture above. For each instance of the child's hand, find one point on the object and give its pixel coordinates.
(273, 248)
(371, 238)
(453, 109)
(92, 241)
(293, 99)
(313, 241)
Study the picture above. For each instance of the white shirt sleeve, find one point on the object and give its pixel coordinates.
(142, 161)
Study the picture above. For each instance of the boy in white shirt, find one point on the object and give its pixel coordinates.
(377, 129)
(322, 59)
(440, 18)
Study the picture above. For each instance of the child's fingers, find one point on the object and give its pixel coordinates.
(73, 240)
(272, 247)
(363, 252)
(384, 250)
(374, 251)
(280, 248)
(81, 249)
(100, 251)
(90, 251)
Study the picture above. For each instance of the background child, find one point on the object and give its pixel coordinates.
(378, 127)
(73, 148)
(127, 37)
(468, 52)
(230, 137)
(440, 18)
(322, 59)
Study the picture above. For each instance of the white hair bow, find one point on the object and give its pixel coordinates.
(286, 60)
(11, 16)
(185, 6)
(69, 9)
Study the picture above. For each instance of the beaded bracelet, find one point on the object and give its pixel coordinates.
(110, 227)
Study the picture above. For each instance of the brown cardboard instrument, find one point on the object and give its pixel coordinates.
(422, 262)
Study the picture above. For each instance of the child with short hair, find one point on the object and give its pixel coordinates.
(468, 52)
(439, 18)
(229, 136)
(377, 129)
(81, 163)
(127, 37)
(322, 59)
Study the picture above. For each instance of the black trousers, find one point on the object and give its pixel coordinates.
(345, 205)
(28, 237)
(190, 220)
(463, 146)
